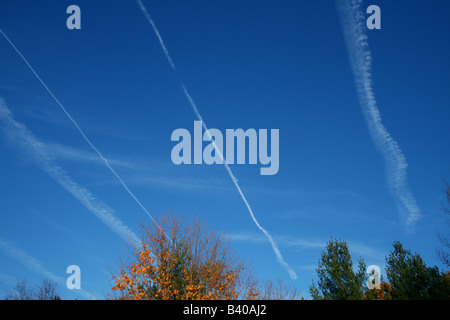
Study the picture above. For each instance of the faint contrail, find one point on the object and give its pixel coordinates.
(27, 260)
(19, 134)
(354, 29)
(79, 129)
(194, 107)
(34, 264)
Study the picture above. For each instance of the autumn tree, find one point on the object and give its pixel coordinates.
(178, 260)
(383, 293)
(337, 280)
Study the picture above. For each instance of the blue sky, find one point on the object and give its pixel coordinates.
(247, 64)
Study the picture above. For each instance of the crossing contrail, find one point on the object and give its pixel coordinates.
(275, 248)
(79, 129)
(354, 29)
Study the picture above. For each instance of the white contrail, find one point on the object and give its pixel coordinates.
(235, 181)
(79, 129)
(194, 107)
(161, 42)
(354, 29)
(19, 134)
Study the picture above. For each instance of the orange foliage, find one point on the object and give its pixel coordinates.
(193, 264)
(384, 293)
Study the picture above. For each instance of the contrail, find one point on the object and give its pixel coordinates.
(230, 173)
(27, 260)
(161, 42)
(34, 264)
(79, 129)
(235, 181)
(354, 29)
(19, 134)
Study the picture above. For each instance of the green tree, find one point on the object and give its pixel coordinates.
(411, 279)
(444, 252)
(337, 280)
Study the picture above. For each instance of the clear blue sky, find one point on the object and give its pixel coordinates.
(247, 64)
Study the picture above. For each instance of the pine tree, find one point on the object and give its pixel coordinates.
(411, 279)
(337, 280)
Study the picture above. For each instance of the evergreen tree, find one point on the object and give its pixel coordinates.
(411, 279)
(337, 280)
